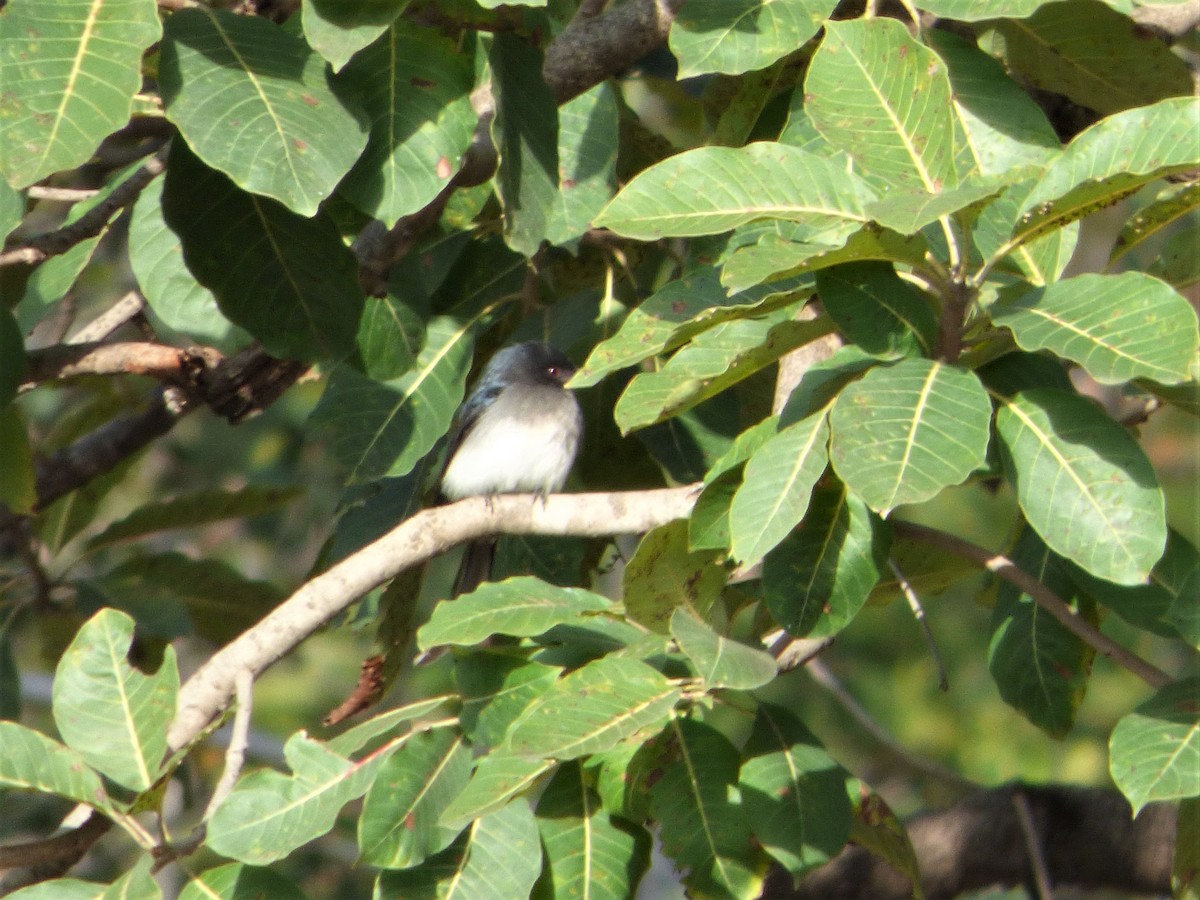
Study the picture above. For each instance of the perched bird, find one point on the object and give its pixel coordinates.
(517, 432)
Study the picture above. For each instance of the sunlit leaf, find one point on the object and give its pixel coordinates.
(1154, 751)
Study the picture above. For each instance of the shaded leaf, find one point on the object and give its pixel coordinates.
(587, 159)
(496, 689)
(254, 102)
(18, 481)
(497, 778)
(873, 308)
(338, 29)
(235, 881)
(720, 661)
(819, 577)
(664, 575)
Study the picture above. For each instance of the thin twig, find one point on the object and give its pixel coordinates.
(918, 611)
(60, 194)
(822, 674)
(1005, 568)
(110, 320)
(235, 754)
(1033, 846)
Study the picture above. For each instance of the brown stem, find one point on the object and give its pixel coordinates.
(1005, 568)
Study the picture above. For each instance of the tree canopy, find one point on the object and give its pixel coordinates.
(874, 307)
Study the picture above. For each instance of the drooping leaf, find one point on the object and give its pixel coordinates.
(901, 433)
(679, 310)
(702, 822)
(70, 70)
(521, 607)
(665, 574)
(680, 195)
(720, 661)
(1084, 484)
(794, 793)
(1154, 752)
(775, 491)
(1039, 666)
(736, 36)
(1088, 52)
(884, 98)
(338, 29)
(287, 279)
(172, 292)
(254, 102)
(819, 577)
(398, 827)
(587, 158)
(415, 88)
(526, 130)
(1118, 327)
(589, 852)
(110, 713)
(874, 309)
(269, 814)
(594, 708)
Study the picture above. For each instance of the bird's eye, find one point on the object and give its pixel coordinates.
(553, 371)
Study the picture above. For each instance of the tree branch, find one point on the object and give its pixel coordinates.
(414, 541)
(130, 358)
(1005, 568)
(1089, 837)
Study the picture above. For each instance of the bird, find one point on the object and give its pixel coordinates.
(517, 432)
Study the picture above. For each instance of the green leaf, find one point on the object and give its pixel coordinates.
(817, 580)
(1176, 263)
(873, 308)
(254, 102)
(775, 491)
(776, 256)
(521, 607)
(384, 428)
(398, 827)
(136, 884)
(594, 708)
(238, 882)
(734, 37)
(497, 688)
(338, 29)
(877, 830)
(1154, 752)
(172, 292)
(1040, 667)
(1149, 222)
(195, 509)
(1118, 327)
(664, 575)
(354, 739)
(884, 99)
(1040, 260)
(974, 10)
(503, 855)
(1090, 53)
(31, 761)
(678, 311)
(589, 853)
(794, 794)
(1185, 867)
(908, 211)
(61, 889)
(415, 86)
(702, 823)
(719, 661)
(18, 481)
(269, 814)
(113, 715)
(1109, 161)
(1006, 131)
(526, 134)
(901, 433)
(1084, 484)
(708, 525)
(288, 280)
(712, 362)
(12, 357)
(69, 70)
(714, 189)
(499, 776)
(12, 208)
(587, 160)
